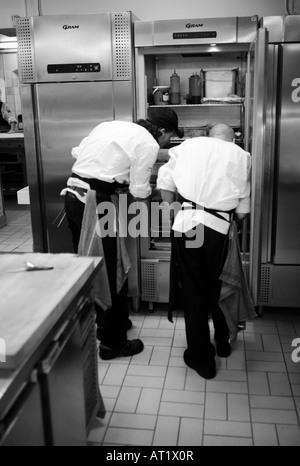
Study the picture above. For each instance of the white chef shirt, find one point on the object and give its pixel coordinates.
(117, 151)
(212, 173)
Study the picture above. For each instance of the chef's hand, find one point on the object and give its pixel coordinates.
(239, 218)
(123, 190)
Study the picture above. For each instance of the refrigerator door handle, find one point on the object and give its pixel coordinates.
(257, 149)
(57, 347)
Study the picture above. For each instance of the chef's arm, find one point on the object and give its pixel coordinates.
(13, 127)
(167, 196)
(243, 209)
(239, 217)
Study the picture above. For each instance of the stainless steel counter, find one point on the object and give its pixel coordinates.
(45, 320)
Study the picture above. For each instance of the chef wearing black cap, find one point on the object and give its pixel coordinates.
(116, 154)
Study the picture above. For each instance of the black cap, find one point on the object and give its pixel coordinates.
(165, 118)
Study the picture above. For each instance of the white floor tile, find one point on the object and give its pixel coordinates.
(160, 356)
(149, 401)
(228, 428)
(216, 406)
(264, 435)
(258, 383)
(133, 421)
(176, 377)
(190, 432)
(119, 436)
(183, 396)
(128, 400)
(143, 382)
(238, 408)
(288, 435)
(147, 371)
(279, 384)
(166, 432)
(227, 387)
(221, 441)
(274, 416)
(181, 410)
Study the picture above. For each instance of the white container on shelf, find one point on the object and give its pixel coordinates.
(23, 196)
(219, 83)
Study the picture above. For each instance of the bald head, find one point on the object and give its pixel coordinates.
(222, 131)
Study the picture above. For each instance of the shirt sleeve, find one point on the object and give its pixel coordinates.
(141, 169)
(244, 202)
(76, 150)
(165, 174)
(8, 115)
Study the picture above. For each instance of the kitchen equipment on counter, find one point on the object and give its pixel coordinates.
(161, 95)
(175, 88)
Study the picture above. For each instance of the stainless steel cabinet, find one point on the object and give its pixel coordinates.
(23, 423)
(60, 375)
(69, 380)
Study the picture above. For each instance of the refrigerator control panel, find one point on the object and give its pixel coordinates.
(195, 35)
(74, 68)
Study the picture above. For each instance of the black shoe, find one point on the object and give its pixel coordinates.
(207, 370)
(131, 348)
(223, 349)
(100, 329)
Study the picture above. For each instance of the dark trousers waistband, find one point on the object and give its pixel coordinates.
(99, 185)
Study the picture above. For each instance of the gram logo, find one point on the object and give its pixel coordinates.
(2, 350)
(296, 352)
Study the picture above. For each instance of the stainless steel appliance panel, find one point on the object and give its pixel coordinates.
(282, 28)
(255, 144)
(269, 157)
(210, 29)
(195, 31)
(62, 388)
(124, 101)
(287, 243)
(23, 424)
(66, 114)
(75, 39)
(33, 169)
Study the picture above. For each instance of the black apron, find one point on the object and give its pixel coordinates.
(175, 291)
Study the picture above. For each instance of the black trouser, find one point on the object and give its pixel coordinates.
(114, 320)
(199, 270)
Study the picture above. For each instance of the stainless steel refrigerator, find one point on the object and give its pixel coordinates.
(190, 45)
(280, 260)
(75, 72)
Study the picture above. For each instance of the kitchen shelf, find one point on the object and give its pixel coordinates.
(201, 115)
(199, 105)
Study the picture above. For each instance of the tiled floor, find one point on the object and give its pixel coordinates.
(16, 236)
(153, 399)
